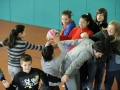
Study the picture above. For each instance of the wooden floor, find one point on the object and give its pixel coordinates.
(36, 35)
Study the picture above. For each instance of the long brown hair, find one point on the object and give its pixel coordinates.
(101, 11)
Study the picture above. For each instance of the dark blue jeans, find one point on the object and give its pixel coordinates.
(109, 79)
(83, 73)
(95, 71)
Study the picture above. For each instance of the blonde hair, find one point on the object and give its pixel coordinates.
(25, 58)
(117, 28)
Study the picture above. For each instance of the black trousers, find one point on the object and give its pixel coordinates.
(54, 87)
(83, 73)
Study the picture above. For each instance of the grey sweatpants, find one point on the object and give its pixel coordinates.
(74, 80)
(13, 70)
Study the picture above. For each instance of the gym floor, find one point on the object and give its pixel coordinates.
(35, 35)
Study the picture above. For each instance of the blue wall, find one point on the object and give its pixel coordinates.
(46, 13)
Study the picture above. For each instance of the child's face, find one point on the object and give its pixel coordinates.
(83, 23)
(100, 17)
(26, 66)
(65, 19)
(22, 35)
(111, 29)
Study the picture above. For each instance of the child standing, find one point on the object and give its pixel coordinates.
(112, 67)
(67, 24)
(51, 64)
(28, 78)
(86, 25)
(100, 24)
(111, 36)
(85, 28)
(100, 20)
(17, 47)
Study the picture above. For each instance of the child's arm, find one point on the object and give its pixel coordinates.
(69, 36)
(62, 31)
(33, 46)
(47, 77)
(2, 43)
(6, 84)
(63, 53)
(47, 43)
(72, 42)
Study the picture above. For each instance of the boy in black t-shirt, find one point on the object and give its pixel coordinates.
(28, 78)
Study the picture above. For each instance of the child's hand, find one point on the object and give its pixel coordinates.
(104, 28)
(55, 45)
(57, 39)
(5, 83)
(84, 35)
(65, 78)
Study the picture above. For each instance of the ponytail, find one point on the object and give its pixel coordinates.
(10, 41)
(89, 19)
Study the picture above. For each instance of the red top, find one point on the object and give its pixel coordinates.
(75, 34)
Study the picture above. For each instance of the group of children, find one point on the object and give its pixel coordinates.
(97, 30)
(85, 49)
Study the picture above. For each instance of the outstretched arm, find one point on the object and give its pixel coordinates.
(33, 46)
(47, 77)
(63, 53)
(78, 62)
(72, 42)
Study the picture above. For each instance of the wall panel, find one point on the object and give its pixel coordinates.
(47, 13)
(22, 11)
(78, 7)
(4, 10)
(109, 5)
(117, 10)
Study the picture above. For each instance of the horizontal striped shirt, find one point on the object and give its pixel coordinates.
(19, 48)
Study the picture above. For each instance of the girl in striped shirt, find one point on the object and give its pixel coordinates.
(17, 47)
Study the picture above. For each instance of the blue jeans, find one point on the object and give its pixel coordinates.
(95, 70)
(109, 79)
